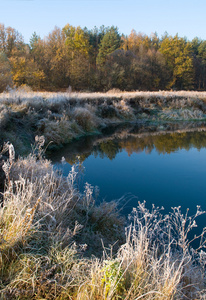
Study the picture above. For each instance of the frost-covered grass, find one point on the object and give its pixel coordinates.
(61, 117)
(56, 243)
(22, 95)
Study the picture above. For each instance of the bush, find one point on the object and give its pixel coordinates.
(84, 118)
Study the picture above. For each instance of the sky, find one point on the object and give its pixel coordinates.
(185, 17)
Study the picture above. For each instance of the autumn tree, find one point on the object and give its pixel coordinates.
(178, 56)
(11, 41)
(26, 72)
(56, 54)
(118, 70)
(51, 58)
(77, 48)
(5, 72)
(139, 42)
(155, 65)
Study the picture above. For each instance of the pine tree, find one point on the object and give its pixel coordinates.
(110, 42)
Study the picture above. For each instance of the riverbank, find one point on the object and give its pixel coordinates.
(165, 137)
(62, 117)
(57, 243)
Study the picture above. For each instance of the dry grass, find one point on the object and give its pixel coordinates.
(61, 117)
(85, 118)
(46, 222)
(22, 95)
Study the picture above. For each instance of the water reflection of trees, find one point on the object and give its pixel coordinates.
(110, 146)
(109, 149)
(163, 143)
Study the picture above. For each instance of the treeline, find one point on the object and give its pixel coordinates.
(101, 59)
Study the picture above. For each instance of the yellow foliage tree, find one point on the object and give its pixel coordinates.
(25, 71)
(177, 53)
(78, 48)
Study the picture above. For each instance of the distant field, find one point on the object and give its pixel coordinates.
(55, 96)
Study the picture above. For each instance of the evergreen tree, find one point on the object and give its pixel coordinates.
(201, 56)
(110, 42)
(33, 43)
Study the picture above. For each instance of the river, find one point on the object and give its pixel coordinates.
(164, 165)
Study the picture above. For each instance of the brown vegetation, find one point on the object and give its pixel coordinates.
(61, 117)
(49, 229)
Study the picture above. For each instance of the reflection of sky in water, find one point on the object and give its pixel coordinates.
(164, 179)
(168, 180)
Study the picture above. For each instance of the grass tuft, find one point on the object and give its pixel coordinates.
(56, 243)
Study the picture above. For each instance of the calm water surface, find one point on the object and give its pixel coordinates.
(164, 166)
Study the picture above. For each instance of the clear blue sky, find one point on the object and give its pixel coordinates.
(185, 17)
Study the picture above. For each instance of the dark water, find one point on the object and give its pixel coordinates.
(164, 165)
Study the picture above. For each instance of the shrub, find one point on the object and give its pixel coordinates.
(108, 111)
(84, 118)
(124, 109)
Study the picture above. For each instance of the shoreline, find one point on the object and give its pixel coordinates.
(63, 117)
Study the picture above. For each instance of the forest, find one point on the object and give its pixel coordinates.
(101, 59)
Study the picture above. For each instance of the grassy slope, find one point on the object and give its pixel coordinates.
(61, 117)
(49, 229)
